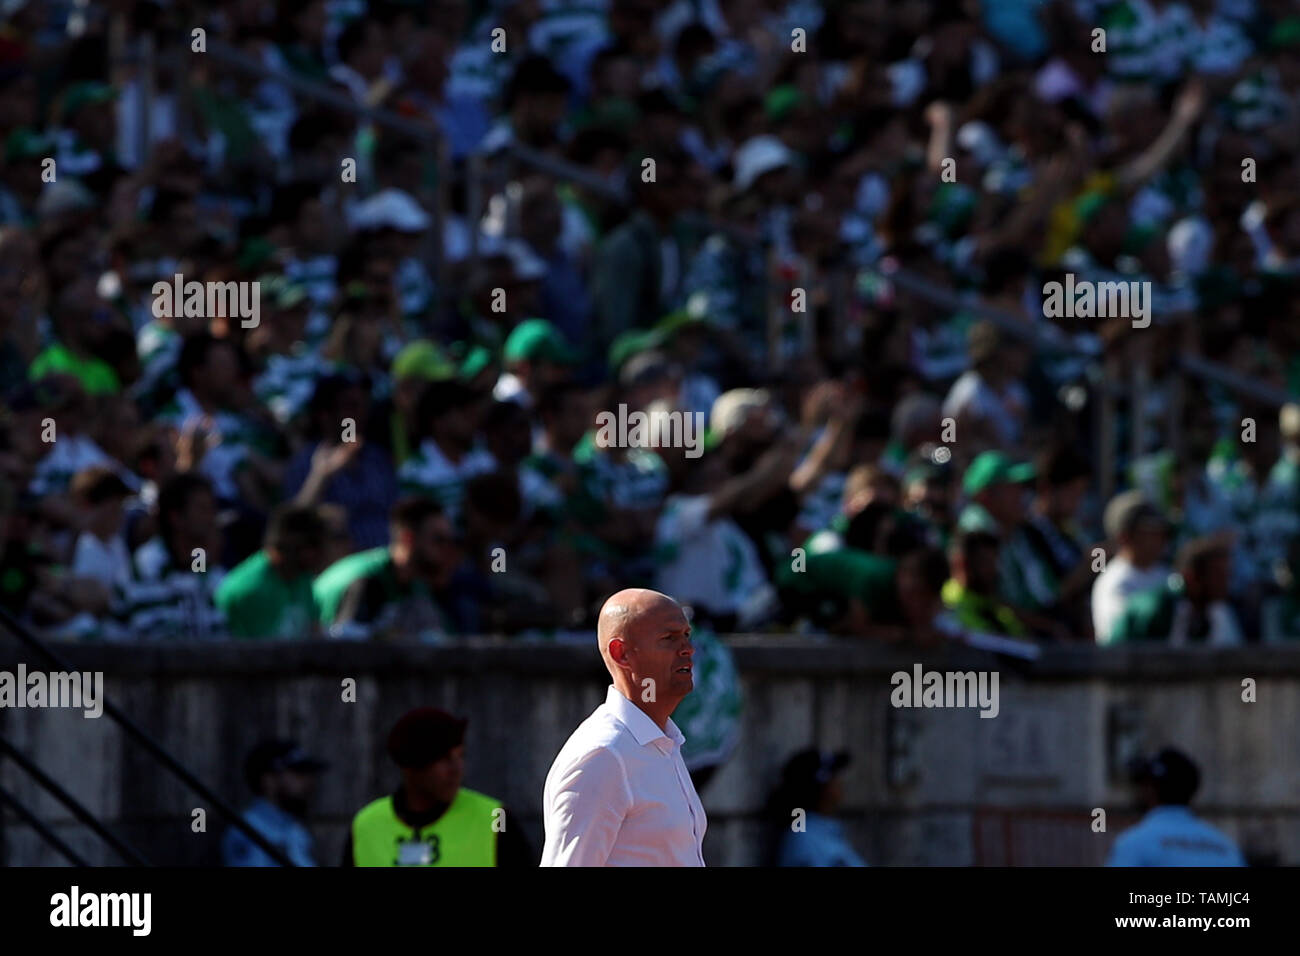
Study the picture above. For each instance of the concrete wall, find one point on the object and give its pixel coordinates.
(928, 786)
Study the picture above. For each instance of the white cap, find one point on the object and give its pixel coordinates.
(731, 408)
(389, 209)
(757, 156)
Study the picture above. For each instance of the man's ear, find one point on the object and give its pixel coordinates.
(618, 650)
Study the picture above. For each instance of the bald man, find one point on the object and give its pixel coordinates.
(618, 794)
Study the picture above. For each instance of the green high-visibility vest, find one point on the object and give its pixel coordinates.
(463, 836)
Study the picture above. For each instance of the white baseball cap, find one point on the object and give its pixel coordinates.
(758, 156)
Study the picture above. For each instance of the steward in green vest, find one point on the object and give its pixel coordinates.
(431, 820)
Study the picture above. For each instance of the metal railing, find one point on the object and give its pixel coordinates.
(47, 783)
(140, 736)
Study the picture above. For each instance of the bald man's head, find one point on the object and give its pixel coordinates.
(644, 637)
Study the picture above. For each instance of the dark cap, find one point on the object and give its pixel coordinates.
(424, 735)
(1171, 771)
(270, 756)
(812, 767)
(1061, 464)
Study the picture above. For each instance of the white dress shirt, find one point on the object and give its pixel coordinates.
(619, 794)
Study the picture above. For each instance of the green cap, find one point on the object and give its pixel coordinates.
(423, 359)
(994, 468)
(86, 94)
(673, 322)
(781, 100)
(630, 343)
(534, 339)
(26, 143)
(476, 359)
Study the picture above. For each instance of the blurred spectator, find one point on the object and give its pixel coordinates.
(1170, 834)
(100, 551)
(705, 560)
(269, 595)
(399, 591)
(175, 575)
(536, 356)
(855, 592)
(82, 323)
(1141, 535)
(972, 591)
(230, 444)
(283, 776)
(493, 588)
(802, 810)
(988, 402)
(1053, 532)
(563, 295)
(418, 363)
(639, 266)
(998, 504)
(712, 712)
(1192, 608)
(350, 471)
(449, 452)
(926, 494)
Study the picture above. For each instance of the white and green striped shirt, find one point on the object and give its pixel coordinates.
(164, 601)
(431, 473)
(287, 384)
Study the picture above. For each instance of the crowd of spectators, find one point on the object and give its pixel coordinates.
(405, 448)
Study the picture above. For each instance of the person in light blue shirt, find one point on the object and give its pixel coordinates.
(802, 808)
(284, 777)
(1170, 834)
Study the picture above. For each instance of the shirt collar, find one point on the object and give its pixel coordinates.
(644, 730)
